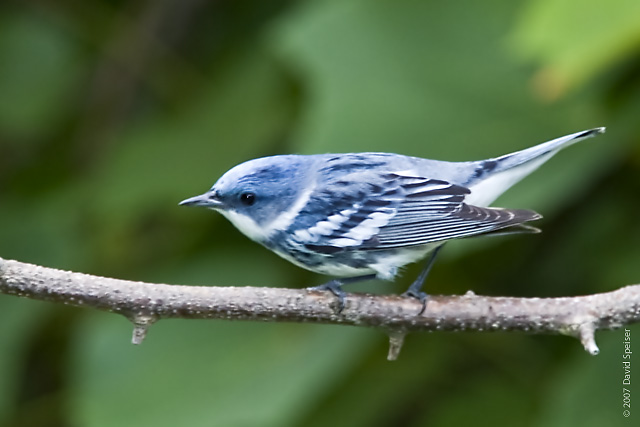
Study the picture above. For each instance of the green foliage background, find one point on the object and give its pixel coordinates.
(113, 111)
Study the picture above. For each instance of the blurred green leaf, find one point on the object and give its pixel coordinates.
(39, 68)
(203, 373)
(24, 316)
(575, 40)
(44, 230)
(491, 398)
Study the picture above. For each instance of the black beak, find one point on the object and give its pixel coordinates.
(207, 200)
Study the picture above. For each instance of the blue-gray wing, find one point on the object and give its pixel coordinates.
(394, 210)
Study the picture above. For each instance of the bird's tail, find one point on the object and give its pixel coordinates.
(545, 150)
(504, 171)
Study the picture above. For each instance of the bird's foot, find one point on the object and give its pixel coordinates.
(421, 296)
(335, 287)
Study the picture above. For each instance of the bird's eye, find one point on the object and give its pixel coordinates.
(248, 199)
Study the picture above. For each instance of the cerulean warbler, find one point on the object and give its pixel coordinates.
(360, 216)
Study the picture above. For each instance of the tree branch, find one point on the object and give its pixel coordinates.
(145, 303)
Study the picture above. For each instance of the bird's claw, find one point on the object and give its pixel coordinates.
(423, 297)
(335, 287)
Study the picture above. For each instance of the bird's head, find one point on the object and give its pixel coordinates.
(256, 194)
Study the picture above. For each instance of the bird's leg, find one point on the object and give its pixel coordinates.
(415, 290)
(335, 287)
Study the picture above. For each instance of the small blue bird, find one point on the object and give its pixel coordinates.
(360, 216)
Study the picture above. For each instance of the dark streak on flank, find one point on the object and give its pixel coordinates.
(324, 249)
